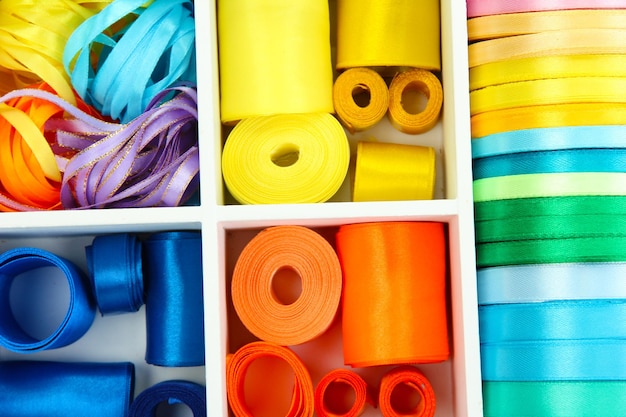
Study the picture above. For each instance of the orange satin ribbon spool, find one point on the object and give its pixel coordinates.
(237, 365)
(329, 401)
(293, 249)
(406, 380)
(414, 121)
(353, 85)
(394, 297)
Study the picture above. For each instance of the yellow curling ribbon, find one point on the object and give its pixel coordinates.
(563, 42)
(275, 58)
(393, 172)
(361, 98)
(389, 33)
(549, 91)
(511, 24)
(414, 120)
(532, 117)
(558, 66)
(289, 158)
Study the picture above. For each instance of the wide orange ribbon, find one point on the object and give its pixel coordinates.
(397, 389)
(394, 297)
(287, 250)
(239, 363)
(329, 401)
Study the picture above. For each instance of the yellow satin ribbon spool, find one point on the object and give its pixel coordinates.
(288, 158)
(549, 91)
(414, 120)
(511, 24)
(563, 42)
(32, 38)
(275, 58)
(393, 172)
(529, 69)
(389, 33)
(361, 98)
(532, 117)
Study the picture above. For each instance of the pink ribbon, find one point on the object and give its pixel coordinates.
(477, 8)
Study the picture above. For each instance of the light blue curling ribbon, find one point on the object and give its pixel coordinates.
(547, 139)
(546, 282)
(80, 312)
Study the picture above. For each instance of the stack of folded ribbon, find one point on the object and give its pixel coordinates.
(98, 105)
(548, 126)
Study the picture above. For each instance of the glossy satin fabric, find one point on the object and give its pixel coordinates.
(174, 299)
(64, 389)
(191, 394)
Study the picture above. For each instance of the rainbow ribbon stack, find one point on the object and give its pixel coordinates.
(548, 118)
(98, 104)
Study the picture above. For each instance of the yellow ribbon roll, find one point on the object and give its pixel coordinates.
(388, 33)
(275, 58)
(393, 172)
(297, 158)
(401, 113)
(361, 98)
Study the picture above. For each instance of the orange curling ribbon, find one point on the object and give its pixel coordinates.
(394, 297)
(397, 388)
(393, 172)
(238, 364)
(329, 401)
(287, 249)
(361, 98)
(401, 114)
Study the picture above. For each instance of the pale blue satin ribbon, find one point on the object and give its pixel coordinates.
(545, 282)
(553, 138)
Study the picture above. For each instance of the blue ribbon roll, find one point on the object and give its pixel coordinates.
(174, 309)
(115, 266)
(80, 312)
(58, 389)
(182, 392)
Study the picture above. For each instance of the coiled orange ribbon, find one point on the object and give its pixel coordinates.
(328, 399)
(394, 297)
(238, 364)
(301, 251)
(406, 379)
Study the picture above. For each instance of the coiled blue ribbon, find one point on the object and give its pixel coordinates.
(184, 392)
(58, 389)
(80, 312)
(174, 309)
(115, 266)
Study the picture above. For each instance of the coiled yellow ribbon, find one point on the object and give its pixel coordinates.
(393, 172)
(287, 158)
(275, 58)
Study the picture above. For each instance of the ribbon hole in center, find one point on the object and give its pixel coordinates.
(286, 155)
(286, 285)
(339, 398)
(415, 97)
(361, 95)
(406, 399)
(172, 409)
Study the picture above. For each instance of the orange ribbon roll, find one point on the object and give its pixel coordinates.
(397, 392)
(361, 98)
(394, 294)
(238, 364)
(393, 172)
(404, 112)
(335, 388)
(287, 249)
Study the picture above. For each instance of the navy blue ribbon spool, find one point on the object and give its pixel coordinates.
(59, 389)
(80, 313)
(174, 302)
(182, 392)
(115, 265)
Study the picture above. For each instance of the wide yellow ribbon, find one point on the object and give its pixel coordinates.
(274, 57)
(389, 33)
(393, 172)
(288, 158)
(511, 24)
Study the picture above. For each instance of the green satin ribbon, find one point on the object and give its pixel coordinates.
(554, 399)
(549, 185)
